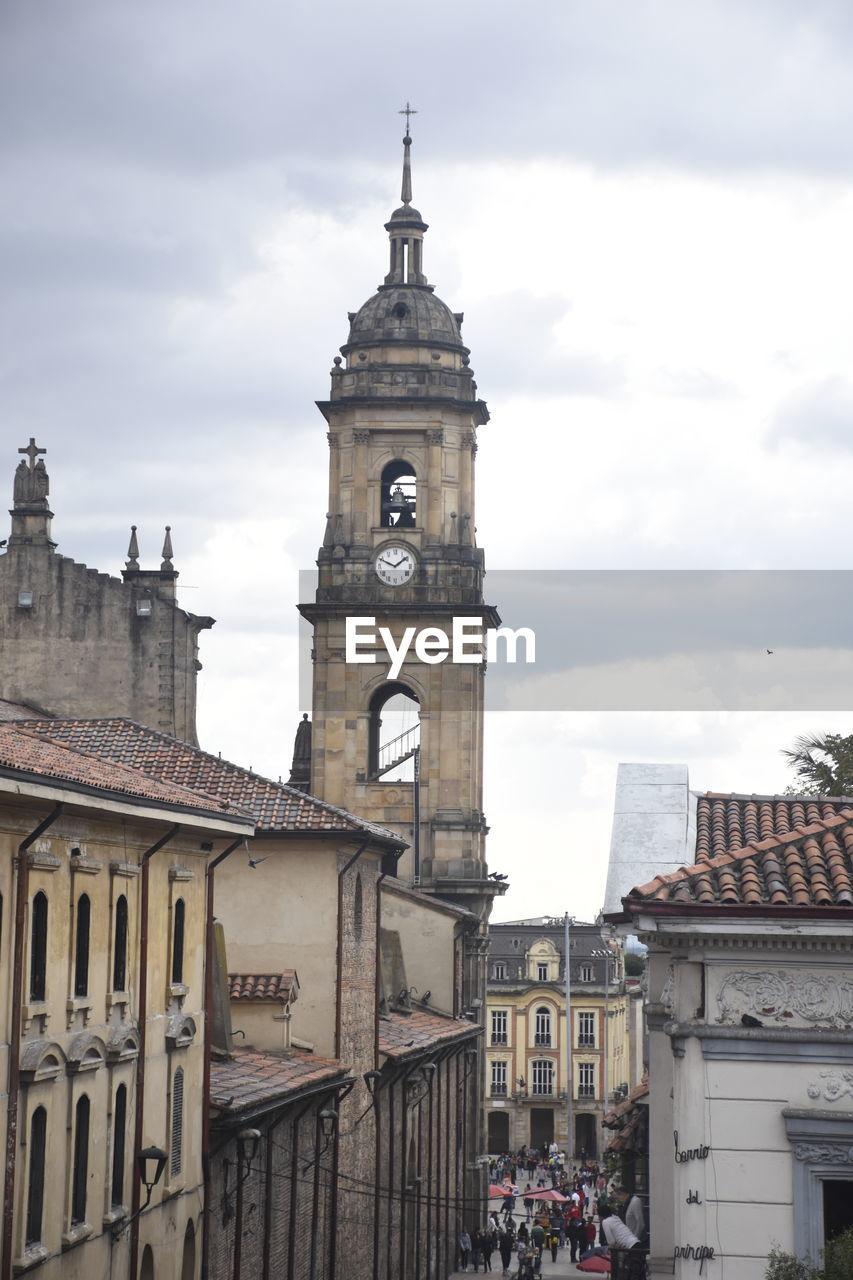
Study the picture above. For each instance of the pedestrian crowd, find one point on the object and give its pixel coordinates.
(543, 1226)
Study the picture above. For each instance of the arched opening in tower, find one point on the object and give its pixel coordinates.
(398, 488)
(395, 733)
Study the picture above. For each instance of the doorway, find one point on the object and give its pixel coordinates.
(541, 1127)
(586, 1145)
(498, 1133)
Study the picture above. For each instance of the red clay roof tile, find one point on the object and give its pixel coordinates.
(276, 807)
(252, 1080)
(263, 986)
(23, 751)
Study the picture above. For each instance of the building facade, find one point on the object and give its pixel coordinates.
(139, 649)
(527, 1075)
(749, 1019)
(103, 953)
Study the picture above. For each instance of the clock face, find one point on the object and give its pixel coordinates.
(394, 565)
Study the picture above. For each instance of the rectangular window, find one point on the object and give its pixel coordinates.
(586, 973)
(542, 972)
(80, 1171)
(543, 1076)
(176, 1154)
(499, 970)
(586, 1030)
(586, 1080)
(499, 1033)
(499, 1079)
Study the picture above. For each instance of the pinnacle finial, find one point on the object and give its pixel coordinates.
(167, 549)
(133, 550)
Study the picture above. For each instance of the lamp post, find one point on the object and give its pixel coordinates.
(570, 1143)
(150, 1163)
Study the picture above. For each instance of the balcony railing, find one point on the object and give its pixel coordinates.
(586, 1090)
(543, 1089)
(499, 1037)
(542, 1040)
(498, 1090)
(586, 1040)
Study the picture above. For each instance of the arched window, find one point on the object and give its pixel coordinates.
(542, 1036)
(177, 1135)
(81, 946)
(178, 942)
(395, 732)
(80, 1171)
(188, 1260)
(35, 1181)
(119, 1126)
(120, 945)
(38, 948)
(146, 1269)
(398, 488)
(358, 911)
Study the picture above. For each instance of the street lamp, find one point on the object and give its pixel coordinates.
(150, 1164)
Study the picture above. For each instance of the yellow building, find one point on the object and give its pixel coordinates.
(527, 1081)
(102, 1028)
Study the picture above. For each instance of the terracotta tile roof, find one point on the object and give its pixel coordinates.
(263, 986)
(22, 750)
(809, 866)
(251, 1080)
(276, 807)
(404, 1034)
(19, 711)
(725, 823)
(615, 1118)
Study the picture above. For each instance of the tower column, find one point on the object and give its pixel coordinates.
(435, 442)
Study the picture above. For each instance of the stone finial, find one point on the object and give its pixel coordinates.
(133, 550)
(167, 552)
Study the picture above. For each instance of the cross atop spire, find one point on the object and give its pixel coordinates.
(407, 112)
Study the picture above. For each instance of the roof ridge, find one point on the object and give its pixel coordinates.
(217, 803)
(42, 728)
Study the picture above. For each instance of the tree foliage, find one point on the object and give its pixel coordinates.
(837, 1262)
(822, 764)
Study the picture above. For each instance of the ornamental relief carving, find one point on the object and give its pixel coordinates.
(787, 998)
(824, 1152)
(667, 994)
(838, 1085)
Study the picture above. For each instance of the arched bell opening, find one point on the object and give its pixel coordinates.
(395, 733)
(398, 489)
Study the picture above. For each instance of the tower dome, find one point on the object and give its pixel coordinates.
(404, 341)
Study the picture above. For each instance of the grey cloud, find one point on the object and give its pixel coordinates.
(819, 417)
(714, 84)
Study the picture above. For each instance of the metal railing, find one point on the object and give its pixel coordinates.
(397, 750)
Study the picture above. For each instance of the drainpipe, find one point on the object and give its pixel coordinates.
(22, 891)
(208, 1022)
(340, 950)
(140, 1061)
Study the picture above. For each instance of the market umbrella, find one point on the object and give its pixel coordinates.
(552, 1194)
(498, 1193)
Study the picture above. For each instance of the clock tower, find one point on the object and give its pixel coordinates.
(404, 747)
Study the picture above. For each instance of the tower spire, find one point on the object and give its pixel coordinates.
(406, 193)
(406, 227)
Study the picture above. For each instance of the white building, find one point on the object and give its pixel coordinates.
(750, 1028)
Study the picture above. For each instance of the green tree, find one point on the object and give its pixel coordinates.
(822, 764)
(634, 964)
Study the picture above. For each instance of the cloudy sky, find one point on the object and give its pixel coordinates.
(643, 208)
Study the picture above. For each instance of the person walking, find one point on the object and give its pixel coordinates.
(464, 1249)
(572, 1234)
(505, 1246)
(554, 1241)
(489, 1243)
(477, 1249)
